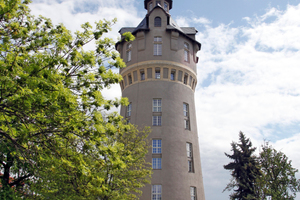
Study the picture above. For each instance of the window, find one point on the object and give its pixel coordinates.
(156, 105)
(157, 73)
(128, 121)
(156, 163)
(186, 52)
(128, 52)
(142, 73)
(150, 6)
(157, 22)
(185, 109)
(186, 124)
(156, 192)
(156, 120)
(193, 193)
(173, 75)
(166, 6)
(156, 146)
(157, 48)
(128, 110)
(185, 79)
(186, 116)
(190, 164)
(129, 79)
(189, 152)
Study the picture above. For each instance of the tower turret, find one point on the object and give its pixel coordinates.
(159, 82)
(166, 4)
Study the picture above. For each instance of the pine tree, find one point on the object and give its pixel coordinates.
(244, 169)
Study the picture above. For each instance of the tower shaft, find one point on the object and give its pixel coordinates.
(159, 82)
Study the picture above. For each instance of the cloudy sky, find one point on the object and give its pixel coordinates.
(248, 72)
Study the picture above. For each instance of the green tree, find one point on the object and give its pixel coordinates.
(278, 178)
(56, 141)
(244, 169)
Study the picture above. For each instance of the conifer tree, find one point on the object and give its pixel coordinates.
(244, 170)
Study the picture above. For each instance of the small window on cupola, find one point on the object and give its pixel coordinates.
(150, 6)
(166, 6)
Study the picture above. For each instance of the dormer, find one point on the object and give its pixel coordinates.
(165, 4)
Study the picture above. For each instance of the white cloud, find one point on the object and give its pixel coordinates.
(73, 13)
(248, 80)
(201, 20)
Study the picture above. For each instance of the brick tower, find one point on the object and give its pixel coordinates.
(159, 82)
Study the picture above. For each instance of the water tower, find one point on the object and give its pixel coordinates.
(159, 82)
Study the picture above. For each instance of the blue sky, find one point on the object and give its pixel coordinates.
(248, 72)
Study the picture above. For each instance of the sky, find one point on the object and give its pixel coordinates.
(248, 70)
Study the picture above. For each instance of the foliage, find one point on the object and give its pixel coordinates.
(278, 178)
(244, 169)
(55, 141)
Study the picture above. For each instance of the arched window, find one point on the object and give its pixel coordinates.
(157, 22)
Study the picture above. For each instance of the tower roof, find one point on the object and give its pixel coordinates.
(169, 1)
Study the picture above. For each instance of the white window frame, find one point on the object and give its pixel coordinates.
(190, 166)
(189, 150)
(193, 192)
(156, 192)
(186, 52)
(156, 120)
(187, 124)
(128, 110)
(186, 116)
(156, 105)
(129, 52)
(156, 163)
(185, 109)
(157, 46)
(156, 146)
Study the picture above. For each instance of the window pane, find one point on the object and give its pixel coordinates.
(157, 50)
(166, 6)
(157, 74)
(189, 149)
(156, 146)
(185, 109)
(157, 22)
(190, 164)
(186, 56)
(156, 163)
(193, 193)
(157, 39)
(156, 120)
(172, 76)
(142, 75)
(156, 105)
(156, 192)
(129, 110)
(150, 6)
